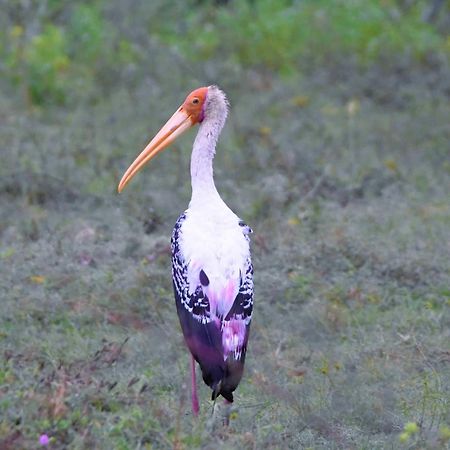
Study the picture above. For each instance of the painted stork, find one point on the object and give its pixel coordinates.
(211, 265)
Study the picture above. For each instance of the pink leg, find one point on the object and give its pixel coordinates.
(195, 405)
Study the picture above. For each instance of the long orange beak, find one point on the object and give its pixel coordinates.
(175, 126)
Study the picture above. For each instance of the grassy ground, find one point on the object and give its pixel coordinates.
(343, 174)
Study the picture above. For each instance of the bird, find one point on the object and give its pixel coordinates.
(212, 269)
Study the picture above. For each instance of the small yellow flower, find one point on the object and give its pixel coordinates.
(38, 279)
(265, 131)
(411, 428)
(16, 31)
(325, 369)
(403, 437)
(301, 101)
(391, 164)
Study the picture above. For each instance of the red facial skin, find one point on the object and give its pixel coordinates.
(194, 104)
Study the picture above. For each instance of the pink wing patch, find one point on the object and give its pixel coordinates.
(233, 337)
(221, 297)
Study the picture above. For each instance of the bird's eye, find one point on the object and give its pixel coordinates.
(195, 101)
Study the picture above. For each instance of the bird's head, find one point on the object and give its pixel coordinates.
(199, 104)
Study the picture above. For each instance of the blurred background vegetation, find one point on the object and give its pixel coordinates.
(336, 152)
(59, 51)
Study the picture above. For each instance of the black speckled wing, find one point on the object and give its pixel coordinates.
(195, 303)
(243, 304)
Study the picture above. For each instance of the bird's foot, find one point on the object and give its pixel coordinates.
(220, 417)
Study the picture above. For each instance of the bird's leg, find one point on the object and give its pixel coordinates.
(227, 412)
(220, 414)
(195, 405)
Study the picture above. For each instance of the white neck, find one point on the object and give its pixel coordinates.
(202, 161)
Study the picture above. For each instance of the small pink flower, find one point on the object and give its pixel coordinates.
(44, 439)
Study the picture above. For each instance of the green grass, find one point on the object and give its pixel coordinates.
(341, 173)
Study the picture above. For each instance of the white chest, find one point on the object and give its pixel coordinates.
(212, 240)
